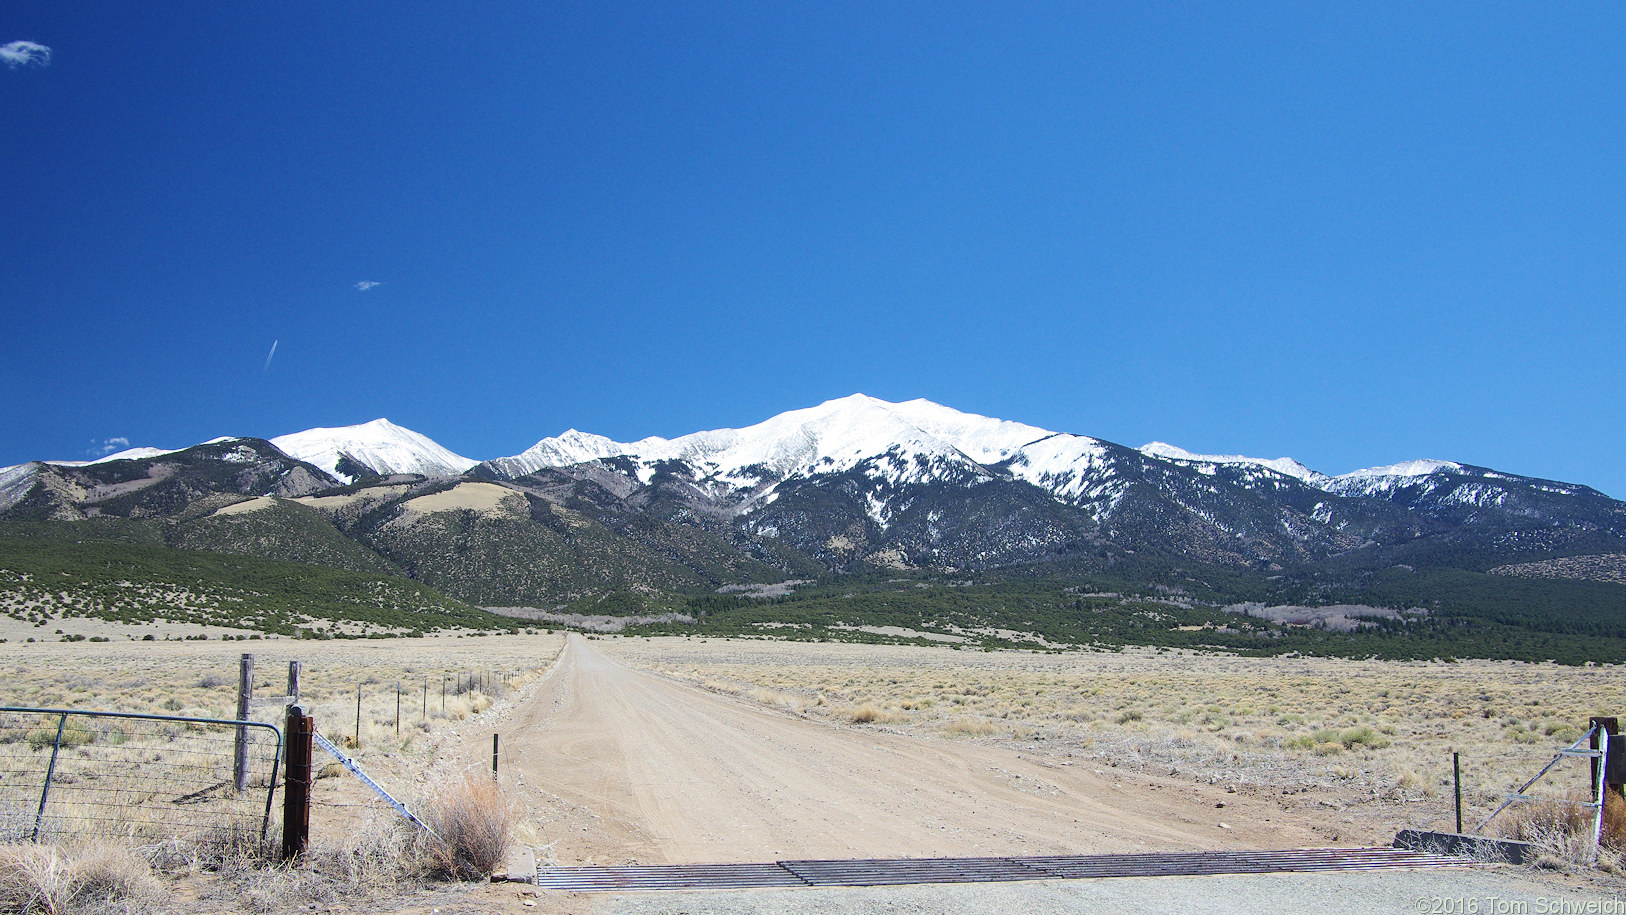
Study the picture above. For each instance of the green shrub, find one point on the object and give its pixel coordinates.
(73, 735)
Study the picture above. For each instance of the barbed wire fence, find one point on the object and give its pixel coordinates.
(144, 778)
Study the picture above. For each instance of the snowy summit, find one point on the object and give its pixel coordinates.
(380, 445)
(833, 436)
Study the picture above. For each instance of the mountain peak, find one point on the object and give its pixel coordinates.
(856, 399)
(379, 445)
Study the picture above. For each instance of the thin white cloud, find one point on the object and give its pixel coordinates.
(23, 53)
(365, 285)
(109, 445)
(269, 356)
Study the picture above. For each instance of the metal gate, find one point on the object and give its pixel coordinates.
(69, 772)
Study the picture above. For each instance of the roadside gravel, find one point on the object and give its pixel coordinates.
(1446, 891)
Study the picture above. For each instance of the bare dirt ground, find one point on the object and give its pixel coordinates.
(1359, 749)
(623, 765)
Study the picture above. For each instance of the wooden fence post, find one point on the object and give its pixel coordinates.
(296, 786)
(245, 699)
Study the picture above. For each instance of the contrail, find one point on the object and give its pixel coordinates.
(268, 357)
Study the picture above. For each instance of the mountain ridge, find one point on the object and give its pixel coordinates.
(852, 484)
(869, 500)
(383, 448)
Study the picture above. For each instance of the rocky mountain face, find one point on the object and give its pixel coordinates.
(855, 484)
(189, 482)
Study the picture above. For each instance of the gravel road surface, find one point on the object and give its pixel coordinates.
(616, 765)
(1442, 891)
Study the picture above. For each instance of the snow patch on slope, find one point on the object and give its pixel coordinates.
(1420, 468)
(1283, 465)
(567, 450)
(984, 440)
(15, 482)
(1375, 480)
(1076, 468)
(128, 454)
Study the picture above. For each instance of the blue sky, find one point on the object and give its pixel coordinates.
(1352, 234)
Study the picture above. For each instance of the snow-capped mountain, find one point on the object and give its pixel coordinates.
(889, 477)
(831, 437)
(1424, 484)
(137, 453)
(919, 438)
(850, 484)
(378, 447)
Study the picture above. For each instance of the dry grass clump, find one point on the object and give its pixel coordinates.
(385, 856)
(1561, 829)
(374, 859)
(77, 879)
(1327, 741)
(868, 713)
(972, 727)
(353, 854)
(472, 822)
(233, 849)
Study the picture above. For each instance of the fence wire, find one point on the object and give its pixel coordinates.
(66, 773)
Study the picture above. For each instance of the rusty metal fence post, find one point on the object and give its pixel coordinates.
(296, 792)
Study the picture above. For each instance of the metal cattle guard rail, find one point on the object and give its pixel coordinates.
(901, 871)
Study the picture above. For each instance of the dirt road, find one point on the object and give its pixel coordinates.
(613, 765)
